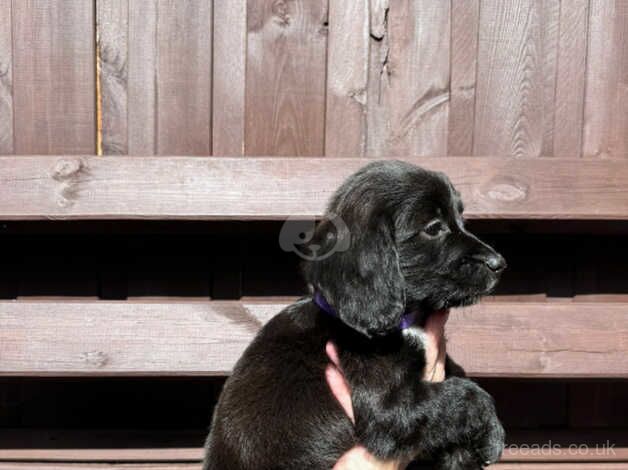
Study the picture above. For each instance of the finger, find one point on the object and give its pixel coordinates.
(332, 353)
(340, 389)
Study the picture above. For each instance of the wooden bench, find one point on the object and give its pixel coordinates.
(165, 337)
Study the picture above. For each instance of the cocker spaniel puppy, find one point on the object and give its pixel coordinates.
(406, 253)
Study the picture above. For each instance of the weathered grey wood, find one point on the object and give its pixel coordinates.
(6, 79)
(229, 77)
(285, 74)
(206, 338)
(465, 21)
(516, 77)
(112, 29)
(275, 188)
(347, 78)
(53, 77)
(197, 466)
(186, 446)
(142, 77)
(99, 466)
(606, 99)
(184, 77)
(572, 54)
(410, 80)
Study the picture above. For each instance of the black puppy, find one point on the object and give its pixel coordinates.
(408, 255)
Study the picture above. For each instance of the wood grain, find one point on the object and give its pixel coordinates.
(412, 81)
(185, 446)
(347, 78)
(142, 78)
(285, 76)
(606, 101)
(6, 80)
(465, 21)
(275, 188)
(99, 465)
(229, 79)
(184, 77)
(206, 338)
(570, 78)
(53, 77)
(112, 30)
(516, 77)
(197, 466)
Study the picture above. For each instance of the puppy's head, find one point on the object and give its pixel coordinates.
(407, 248)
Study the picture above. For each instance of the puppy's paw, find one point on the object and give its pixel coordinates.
(483, 433)
(491, 442)
(458, 459)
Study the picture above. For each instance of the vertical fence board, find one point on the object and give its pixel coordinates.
(229, 80)
(347, 77)
(141, 86)
(413, 79)
(570, 75)
(112, 48)
(285, 77)
(516, 73)
(54, 83)
(6, 80)
(549, 22)
(606, 99)
(184, 77)
(465, 19)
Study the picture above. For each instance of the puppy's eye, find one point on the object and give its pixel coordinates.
(435, 228)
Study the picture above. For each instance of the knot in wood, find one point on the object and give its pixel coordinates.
(66, 168)
(95, 358)
(506, 189)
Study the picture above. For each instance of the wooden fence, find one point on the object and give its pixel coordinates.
(311, 78)
(124, 210)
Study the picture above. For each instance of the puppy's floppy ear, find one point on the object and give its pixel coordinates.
(363, 283)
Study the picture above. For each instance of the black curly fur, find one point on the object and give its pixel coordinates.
(408, 250)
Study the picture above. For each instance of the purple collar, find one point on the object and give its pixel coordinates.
(407, 319)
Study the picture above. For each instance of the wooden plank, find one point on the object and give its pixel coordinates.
(142, 77)
(347, 78)
(275, 188)
(560, 466)
(53, 77)
(205, 338)
(285, 76)
(570, 79)
(516, 77)
(197, 466)
(6, 80)
(412, 81)
(229, 80)
(112, 30)
(98, 466)
(465, 21)
(184, 77)
(95, 445)
(606, 101)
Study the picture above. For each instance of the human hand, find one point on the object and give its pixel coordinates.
(358, 458)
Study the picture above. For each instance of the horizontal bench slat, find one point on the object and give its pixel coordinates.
(89, 187)
(552, 339)
(186, 446)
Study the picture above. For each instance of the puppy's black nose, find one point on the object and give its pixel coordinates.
(494, 261)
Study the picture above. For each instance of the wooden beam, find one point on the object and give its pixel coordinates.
(95, 445)
(197, 466)
(100, 338)
(212, 188)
